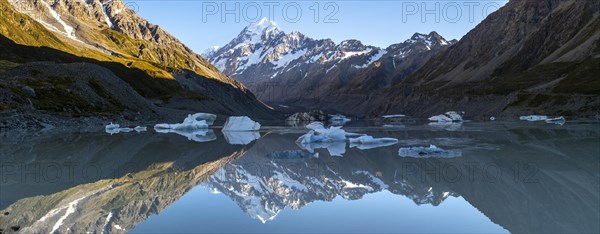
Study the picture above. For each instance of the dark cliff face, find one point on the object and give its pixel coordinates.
(528, 57)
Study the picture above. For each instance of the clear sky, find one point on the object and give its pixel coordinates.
(202, 24)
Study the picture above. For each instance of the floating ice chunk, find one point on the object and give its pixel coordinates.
(558, 120)
(240, 138)
(140, 129)
(332, 134)
(393, 116)
(125, 129)
(352, 134)
(111, 126)
(197, 135)
(371, 140)
(338, 119)
(368, 142)
(534, 118)
(240, 123)
(440, 118)
(315, 126)
(450, 116)
(191, 122)
(428, 152)
(209, 118)
(183, 126)
(112, 131)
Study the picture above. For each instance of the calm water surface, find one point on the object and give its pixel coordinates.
(510, 177)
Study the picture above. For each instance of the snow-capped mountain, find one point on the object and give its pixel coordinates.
(292, 68)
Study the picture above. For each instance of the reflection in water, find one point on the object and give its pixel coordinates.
(197, 135)
(241, 138)
(525, 179)
(335, 148)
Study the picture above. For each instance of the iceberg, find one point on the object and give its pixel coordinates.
(332, 134)
(115, 129)
(209, 118)
(393, 116)
(191, 122)
(240, 138)
(197, 135)
(428, 152)
(140, 129)
(338, 119)
(368, 142)
(112, 131)
(182, 126)
(450, 116)
(111, 126)
(240, 123)
(534, 118)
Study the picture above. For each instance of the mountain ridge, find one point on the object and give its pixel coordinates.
(294, 69)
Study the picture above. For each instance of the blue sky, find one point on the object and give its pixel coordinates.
(202, 24)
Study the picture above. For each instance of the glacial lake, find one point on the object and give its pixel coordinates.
(508, 177)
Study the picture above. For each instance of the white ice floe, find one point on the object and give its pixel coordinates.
(240, 138)
(534, 118)
(338, 119)
(320, 134)
(197, 135)
(115, 129)
(191, 122)
(428, 152)
(393, 116)
(209, 118)
(111, 126)
(368, 142)
(140, 129)
(450, 116)
(240, 123)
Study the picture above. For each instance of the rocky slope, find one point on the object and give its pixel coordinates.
(107, 34)
(528, 57)
(294, 69)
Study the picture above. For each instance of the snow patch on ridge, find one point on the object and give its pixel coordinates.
(373, 58)
(287, 58)
(68, 30)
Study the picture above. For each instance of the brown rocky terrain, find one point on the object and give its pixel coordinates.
(529, 57)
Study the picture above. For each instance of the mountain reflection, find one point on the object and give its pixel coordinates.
(525, 179)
